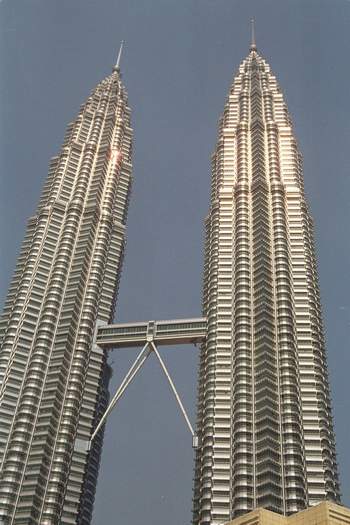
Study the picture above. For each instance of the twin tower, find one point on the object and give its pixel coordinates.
(264, 434)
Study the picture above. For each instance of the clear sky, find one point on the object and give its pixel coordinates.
(179, 60)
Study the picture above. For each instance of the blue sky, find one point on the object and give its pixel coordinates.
(179, 60)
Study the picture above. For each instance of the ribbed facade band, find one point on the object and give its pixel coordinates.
(53, 379)
(264, 415)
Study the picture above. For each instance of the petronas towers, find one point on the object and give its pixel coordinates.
(264, 429)
(54, 380)
(264, 415)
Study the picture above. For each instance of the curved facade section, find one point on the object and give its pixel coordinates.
(54, 380)
(264, 416)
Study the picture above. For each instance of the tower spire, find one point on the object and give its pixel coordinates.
(252, 41)
(117, 65)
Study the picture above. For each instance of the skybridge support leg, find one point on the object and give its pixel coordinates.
(177, 397)
(135, 367)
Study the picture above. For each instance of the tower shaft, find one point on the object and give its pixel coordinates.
(264, 416)
(53, 380)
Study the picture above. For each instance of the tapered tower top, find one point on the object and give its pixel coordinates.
(252, 41)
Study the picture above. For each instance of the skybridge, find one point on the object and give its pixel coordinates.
(178, 332)
(149, 335)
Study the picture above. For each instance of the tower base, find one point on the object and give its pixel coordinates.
(324, 513)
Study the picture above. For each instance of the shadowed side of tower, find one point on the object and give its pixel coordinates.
(264, 416)
(54, 379)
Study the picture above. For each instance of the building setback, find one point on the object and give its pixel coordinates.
(264, 416)
(53, 379)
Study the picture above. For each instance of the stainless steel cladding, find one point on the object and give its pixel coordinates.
(54, 380)
(264, 417)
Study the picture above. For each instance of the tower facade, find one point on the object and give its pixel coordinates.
(53, 379)
(264, 416)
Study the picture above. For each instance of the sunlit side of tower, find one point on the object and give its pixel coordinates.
(264, 415)
(54, 380)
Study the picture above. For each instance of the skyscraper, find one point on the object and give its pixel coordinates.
(264, 415)
(264, 419)
(53, 379)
